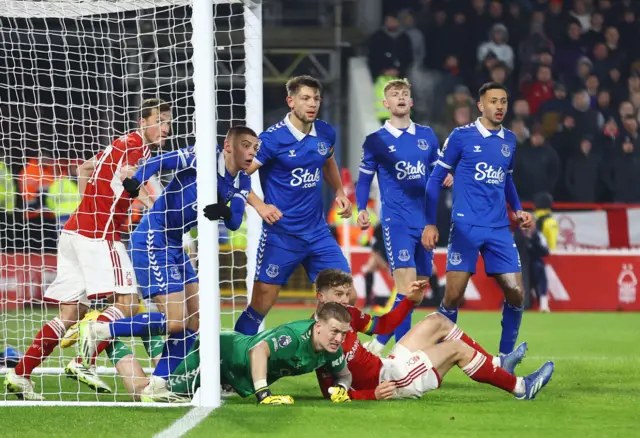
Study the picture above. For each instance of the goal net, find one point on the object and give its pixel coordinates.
(73, 75)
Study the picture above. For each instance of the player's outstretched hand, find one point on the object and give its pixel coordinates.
(525, 219)
(217, 211)
(363, 220)
(416, 290)
(132, 186)
(430, 237)
(339, 394)
(270, 214)
(384, 391)
(448, 180)
(345, 207)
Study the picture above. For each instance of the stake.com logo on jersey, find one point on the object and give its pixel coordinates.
(488, 174)
(406, 170)
(305, 178)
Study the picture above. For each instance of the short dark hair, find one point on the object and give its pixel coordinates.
(329, 278)
(334, 311)
(148, 105)
(294, 84)
(240, 130)
(491, 86)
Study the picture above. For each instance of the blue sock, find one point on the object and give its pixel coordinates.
(249, 322)
(511, 319)
(402, 329)
(451, 314)
(174, 352)
(143, 324)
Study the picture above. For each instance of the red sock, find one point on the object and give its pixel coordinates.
(41, 347)
(109, 315)
(457, 333)
(482, 370)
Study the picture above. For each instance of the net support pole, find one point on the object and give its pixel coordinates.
(208, 262)
(254, 108)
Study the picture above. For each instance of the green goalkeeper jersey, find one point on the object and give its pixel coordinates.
(292, 354)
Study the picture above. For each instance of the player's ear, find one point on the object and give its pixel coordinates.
(290, 101)
(227, 145)
(480, 106)
(385, 103)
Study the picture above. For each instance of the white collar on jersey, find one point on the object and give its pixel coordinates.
(297, 133)
(485, 132)
(398, 132)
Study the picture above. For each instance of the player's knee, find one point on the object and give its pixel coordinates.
(514, 294)
(439, 322)
(194, 322)
(264, 297)
(70, 314)
(453, 297)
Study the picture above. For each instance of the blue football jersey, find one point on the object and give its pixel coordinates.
(481, 160)
(291, 174)
(176, 210)
(402, 159)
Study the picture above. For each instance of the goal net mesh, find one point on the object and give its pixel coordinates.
(72, 76)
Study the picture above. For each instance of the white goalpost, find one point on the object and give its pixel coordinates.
(74, 76)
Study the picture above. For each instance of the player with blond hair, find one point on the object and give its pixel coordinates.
(401, 154)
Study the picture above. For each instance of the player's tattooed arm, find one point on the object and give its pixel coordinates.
(268, 212)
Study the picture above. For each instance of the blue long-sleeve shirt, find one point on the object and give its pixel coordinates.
(175, 211)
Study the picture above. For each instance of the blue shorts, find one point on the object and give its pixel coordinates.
(404, 249)
(161, 265)
(496, 245)
(280, 254)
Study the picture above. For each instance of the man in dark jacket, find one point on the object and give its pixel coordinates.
(537, 168)
(624, 173)
(390, 42)
(581, 174)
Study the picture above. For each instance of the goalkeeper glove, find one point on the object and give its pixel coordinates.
(132, 186)
(339, 394)
(217, 211)
(265, 398)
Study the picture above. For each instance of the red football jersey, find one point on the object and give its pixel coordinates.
(105, 204)
(364, 366)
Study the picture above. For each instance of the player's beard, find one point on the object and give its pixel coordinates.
(302, 116)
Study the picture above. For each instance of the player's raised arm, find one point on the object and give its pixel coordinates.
(367, 171)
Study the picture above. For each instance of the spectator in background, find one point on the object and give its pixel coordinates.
(437, 40)
(605, 7)
(536, 167)
(458, 34)
(616, 55)
(588, 120)
(390, 42)
(635, 100)
(601, 64)
(390, 71)
(460, 98)
(535, 44)
(544, 239)
(595, 34)
(500, 75)
(497, 44)
(62, 199)
(540, 90)
(582, 173)
(592, 85)
(568, 52)
(551, 112)
(633, 84)
(522, 111)
(34, 181)
(8, 193)
(606, 141)
(625, 109)
(630, 33)
(517, 23)
(556, 20)
(519, 128)
(623, 174)
(418, 45)
(580, 13)
(630, 130)
(584, 69)
(479, 19)
(603, 104)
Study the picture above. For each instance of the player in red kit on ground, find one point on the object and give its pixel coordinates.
(423, 356)
(91, 260)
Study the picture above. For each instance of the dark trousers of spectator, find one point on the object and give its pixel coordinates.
(539, 280)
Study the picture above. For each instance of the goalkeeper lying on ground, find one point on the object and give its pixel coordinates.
(249, 364)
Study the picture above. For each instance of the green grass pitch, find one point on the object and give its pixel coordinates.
(595, 392)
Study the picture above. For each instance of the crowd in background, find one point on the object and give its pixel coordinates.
(572, 69)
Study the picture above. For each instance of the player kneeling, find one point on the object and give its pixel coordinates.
(419, 361)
